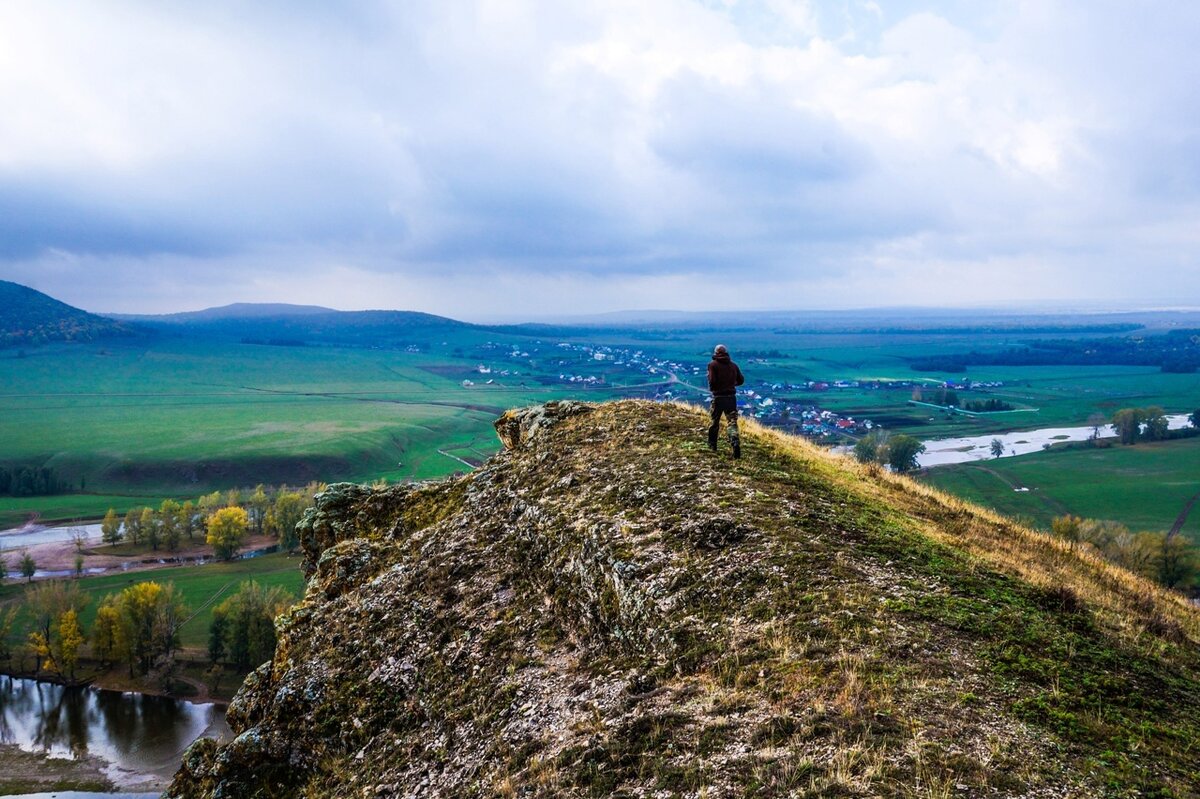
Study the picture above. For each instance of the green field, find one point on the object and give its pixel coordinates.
(1143, 486)
(136, 420)
(203, 588)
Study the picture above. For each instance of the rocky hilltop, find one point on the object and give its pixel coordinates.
(608, 609)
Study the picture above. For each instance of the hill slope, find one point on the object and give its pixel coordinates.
(303, 324)
(29, 317)
(608, 609)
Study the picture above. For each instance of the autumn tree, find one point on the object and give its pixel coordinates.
(1069, 528)
(133, 526)
(46, 604)
(106, 629)
(227, 531)
(1096, 421)
(285, 514)
(168, 524)
(148, 618)
(70, 638)
(110, 528)
(211, 503)
(258, 504)
(150, 528)
(187, 519)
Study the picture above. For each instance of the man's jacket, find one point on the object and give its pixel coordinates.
(724, 376)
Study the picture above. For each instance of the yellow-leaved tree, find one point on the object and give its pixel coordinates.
(227, 531)
(70, 638)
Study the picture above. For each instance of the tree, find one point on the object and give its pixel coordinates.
(997, 448)
(106, 629)
(285, 515)
(6, 625)
(227, 531)
(1096, 421)
(1155, 426)
(902, 452)
(1127, 423)
(258, 503)
(110, 528)
(28, 567)
(246, 622)
(216, 637)
(133, 526)
(187, 519)
(168, 524)
(150, 529)
(148, 617)
(78, 564)
(1194, 418)
(1069, 528)
(46, 603)
(211, 503)
(871, 447)
(70, 638)
(1175, 562)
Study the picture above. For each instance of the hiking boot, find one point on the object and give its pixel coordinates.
(737, 450)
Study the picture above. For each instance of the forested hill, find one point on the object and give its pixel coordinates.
(609, 609)
(29, 317)
(300, 325)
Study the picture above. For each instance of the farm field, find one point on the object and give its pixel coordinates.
(1144, 486)
(136, 420)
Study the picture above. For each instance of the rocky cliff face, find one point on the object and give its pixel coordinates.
(608, 609)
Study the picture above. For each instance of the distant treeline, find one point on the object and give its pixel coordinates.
(1175, 351)
(1116, 327)
(31, 481)
(275, 342)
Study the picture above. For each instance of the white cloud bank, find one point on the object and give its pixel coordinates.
(483, 157)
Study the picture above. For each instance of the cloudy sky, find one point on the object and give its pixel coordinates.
(489, 158)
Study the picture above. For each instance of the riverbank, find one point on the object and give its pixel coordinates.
(24, 772)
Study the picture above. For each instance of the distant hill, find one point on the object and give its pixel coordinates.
(297, 325)
(29, 317)
(237, 310)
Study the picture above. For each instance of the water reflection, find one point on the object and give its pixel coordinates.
(134, 732)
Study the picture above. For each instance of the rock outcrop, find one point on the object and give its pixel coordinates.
(606, 608)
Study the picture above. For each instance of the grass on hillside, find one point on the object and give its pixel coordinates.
(1144, 486)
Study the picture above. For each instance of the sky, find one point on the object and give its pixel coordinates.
(489, 159)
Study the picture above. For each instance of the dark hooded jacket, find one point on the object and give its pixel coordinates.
(724, 376)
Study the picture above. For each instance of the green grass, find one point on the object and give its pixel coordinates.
(203, 588)
(14, 511)
(138, 420)
(1143, 486)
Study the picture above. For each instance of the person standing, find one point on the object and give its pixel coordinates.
(724, 377)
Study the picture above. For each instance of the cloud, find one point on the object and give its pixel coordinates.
(600, 154)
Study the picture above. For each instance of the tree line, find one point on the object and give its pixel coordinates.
(138, 628)
(31, 481)
(1148, 424)
(1175, 351)
(1170, 560)
(225, 520)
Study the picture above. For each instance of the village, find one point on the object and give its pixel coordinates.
(610, 368)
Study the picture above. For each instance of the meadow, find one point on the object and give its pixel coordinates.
(136, 420)
(1144, 486)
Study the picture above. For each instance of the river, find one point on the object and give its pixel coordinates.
(943, 451)
(140, 737)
